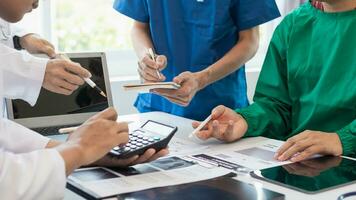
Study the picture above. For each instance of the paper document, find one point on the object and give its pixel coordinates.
(251, 157)
(150, 86)
(103, 182)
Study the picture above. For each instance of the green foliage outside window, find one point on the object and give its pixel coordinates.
(91, 25)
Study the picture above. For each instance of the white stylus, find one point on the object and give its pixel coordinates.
(204, 123)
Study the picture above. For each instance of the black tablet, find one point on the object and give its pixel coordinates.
(311, 176)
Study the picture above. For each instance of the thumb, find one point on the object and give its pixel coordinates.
(49, 51)
(217, 112)
(109, 114)
(180, 78)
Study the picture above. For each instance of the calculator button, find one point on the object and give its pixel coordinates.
(140, 136)
(145, 138)
(116, 148)
(139, 144)
(156, 138)
(133, 146)
(133, 142)
(127, 149)
(134, 134)
(151, 140)
(145, 142)
(140, 140)
(133, 138)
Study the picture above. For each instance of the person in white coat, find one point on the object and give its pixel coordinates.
(33, 166)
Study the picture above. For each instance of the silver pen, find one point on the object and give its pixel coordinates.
(152, 55)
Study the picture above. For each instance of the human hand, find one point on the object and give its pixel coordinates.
(63, 76)
(148, 69)
(148, 156)
(190, 84)
(35, 44)
(309, 143)
(97, 136)
(225, 125)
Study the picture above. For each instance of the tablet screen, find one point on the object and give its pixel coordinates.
(312, 176)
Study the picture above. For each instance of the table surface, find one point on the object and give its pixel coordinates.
(184, 128)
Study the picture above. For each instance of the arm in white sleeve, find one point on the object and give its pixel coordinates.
(36, 175)
(22, 74)
(11, 30)
(18, 139)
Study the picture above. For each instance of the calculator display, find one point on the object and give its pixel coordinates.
(157, 128)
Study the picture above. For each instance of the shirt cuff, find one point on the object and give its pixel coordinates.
(250, 118)
(37, 72)
(348, 141)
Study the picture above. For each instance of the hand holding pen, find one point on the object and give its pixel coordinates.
(63, 77)
(150, 67)
(87, 80)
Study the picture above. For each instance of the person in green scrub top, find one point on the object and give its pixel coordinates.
(306, 93)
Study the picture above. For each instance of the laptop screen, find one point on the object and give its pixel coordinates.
(84, 100)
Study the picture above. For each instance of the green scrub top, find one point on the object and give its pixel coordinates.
(308, 80)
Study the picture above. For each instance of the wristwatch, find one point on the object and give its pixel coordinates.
(17, 44)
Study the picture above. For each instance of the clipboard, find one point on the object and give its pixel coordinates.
(150, 86)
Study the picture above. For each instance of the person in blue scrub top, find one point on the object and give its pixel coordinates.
(201, 45)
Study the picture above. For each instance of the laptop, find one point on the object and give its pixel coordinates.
(54, 111)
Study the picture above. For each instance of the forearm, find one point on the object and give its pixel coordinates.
(141, 39)
(70, 153)
(243, 51)
(72, 156)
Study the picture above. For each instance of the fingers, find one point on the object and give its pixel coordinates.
(195, 124)
(306, 153)
(177, 100)
(148, 75)
(148, 63)
(75, 68)
(293, 146)
(161, 62)
(159, 154)
(206, 133)
(60, 90)
(109, 113)
(65, 85)
(144, 157)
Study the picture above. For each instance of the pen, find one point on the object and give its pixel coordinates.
(204, 123)
(87, 80)
(152, 55)
(74, 128)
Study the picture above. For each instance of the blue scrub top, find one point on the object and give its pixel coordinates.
(194, 34)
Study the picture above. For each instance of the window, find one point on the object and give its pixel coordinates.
(91, 25)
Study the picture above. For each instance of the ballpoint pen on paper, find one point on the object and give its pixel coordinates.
(87, 80)
(152, 55)
(74, 128)
(204, 123)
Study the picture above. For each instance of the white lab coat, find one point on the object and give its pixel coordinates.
(27, 170)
